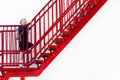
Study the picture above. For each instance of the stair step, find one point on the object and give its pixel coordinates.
(65, 34)
(95, 0)
(52, 47)
(79, 18)
(84, 12)
(46, 55)
(39, 61)
(58, 41)
(71, 26)
(92, 4)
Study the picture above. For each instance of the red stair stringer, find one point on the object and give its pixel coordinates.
(38, 71)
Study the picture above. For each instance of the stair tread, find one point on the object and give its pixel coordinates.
(74, 24)
(45, 54)
(58, 41)
(52, 47)
(65, 33)
(39, 61)
(80, 17)
(93, 2)
(87, 10)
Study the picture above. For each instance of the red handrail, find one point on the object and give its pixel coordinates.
(56, 28)
(43, 24)
(45, 27)
(47, 37)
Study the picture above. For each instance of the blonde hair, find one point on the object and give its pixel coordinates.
(23, 19)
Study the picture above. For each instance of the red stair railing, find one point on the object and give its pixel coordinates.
(41, 34)
(9, 51)
(46, 31)
(58, 17)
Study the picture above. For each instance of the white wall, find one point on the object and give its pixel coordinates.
(11, 11)
(94, 54)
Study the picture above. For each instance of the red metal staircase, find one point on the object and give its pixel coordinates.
(50, 31)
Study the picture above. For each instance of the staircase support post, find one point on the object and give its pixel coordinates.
(22, 77)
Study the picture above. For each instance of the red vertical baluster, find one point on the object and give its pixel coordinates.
(12, 41)
(2, 47)
(6, 45)
(40, 31)
(48, 21)
(44, 26)
(76, 4)
(31, 36)
(35, 37)
(80, 4)
(14, 54)
(72, 10)
(61, 9)
(68, 14)
(18, 48)
(56, 14)
(9, 48)
(52, 18)
(16, 45)
(27, 54)
(64, 8)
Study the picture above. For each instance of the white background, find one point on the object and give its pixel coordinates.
(94, 54)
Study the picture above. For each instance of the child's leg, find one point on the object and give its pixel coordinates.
(31, 53)
(21, 59)
(30, 47)
(21, 56)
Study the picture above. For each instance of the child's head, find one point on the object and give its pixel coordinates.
(23, 21)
